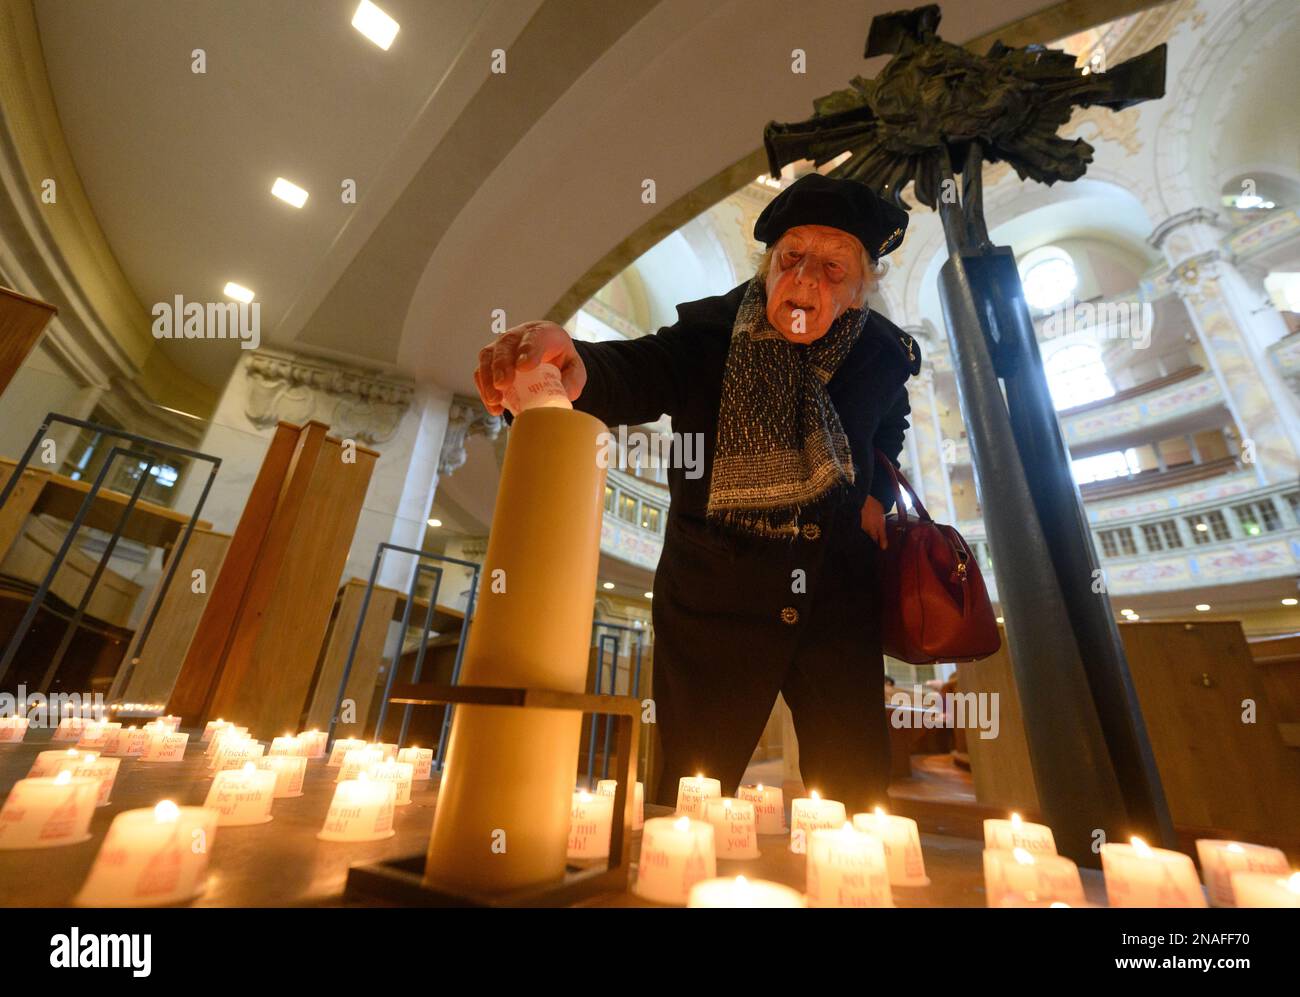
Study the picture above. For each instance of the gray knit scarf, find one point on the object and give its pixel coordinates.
(781, 446)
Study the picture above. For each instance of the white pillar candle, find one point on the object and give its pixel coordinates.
(94, 736)
(341, 747)
(290, 771)
(607, 787)
(359, 760)
(421, 761)
(1008, 835)
(153, 856)
(214, 727)
(902, 841)
(171, 722)
(242, 796)
(389, 750)
(45, 812)
(69, 729)
(165, 747)
(811, 813)
(769, 806)
(735, 827)
(847, 868)
(1019, 876)
(361, 810)
(87, 765)
(692, 791)
(126, 742)
(742, 892)
(1138, 875)
(1263, 889)
(1220, 859)
(590, 822)
(219, 737)
(399, 774)
(314, 743)
(676, 853)
(234, 752)
(49, 762)
(290, 744)
(13, 729)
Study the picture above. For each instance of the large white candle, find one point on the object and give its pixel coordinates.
(91, 766)
(692, 791)
(235, 752)
(361, 810)
(1138, 875)
(676, 853)
(13, 729)
(1008, 835)
(242, 796)
(359, 760)
(314, 743)
(95, 735)
(1220, 859)
(212, 727)
(52, 761)
(608, 787)
(44, 812)
(399, 774)
(735, 827)
(164, 746)
(153, 856)
(769, 806)
(812, 813)
(341, 748)
(1020, 876)
(1263, 889)
(742, 892)
(231, 732)
(290, 744)
(590, 823)
(847, 868)
(902, 841)
(421, 761)
(290, 771)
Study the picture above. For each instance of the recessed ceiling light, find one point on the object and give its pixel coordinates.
(289, 192)
(375, 24)
(435, 523)
(1201, 527)
(649, 595)
(1202, 607)
(238, 292)
(609, 585)
(1290, 602)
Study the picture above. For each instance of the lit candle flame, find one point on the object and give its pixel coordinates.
(1234, 847)
(1293, 884)
(1022, 856)
(880, 813)
(63, 778)
(1015, 819)
(166, 812)
(584, 797)
(682, 824)
(814, 795)
(759, 787)
(1140, 846)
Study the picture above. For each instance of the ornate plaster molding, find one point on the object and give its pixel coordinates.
(467, 418)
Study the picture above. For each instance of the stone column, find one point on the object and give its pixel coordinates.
(1234, 332)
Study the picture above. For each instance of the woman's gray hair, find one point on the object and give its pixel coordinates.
(872, 271)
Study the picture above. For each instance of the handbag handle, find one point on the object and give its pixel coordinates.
(900, 483)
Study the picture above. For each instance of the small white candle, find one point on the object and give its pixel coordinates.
(290, 744)
(94, 736)
(173, 723)
(128, 742)
(769, 806)
(242, 796)
(399, 774)
(1019, 876)
(1220, 859)
(361, 810)
(50, 762)
(607, 787)
(590, 823)
(1008, 835)
(314, 743)
(389, 751)
(742, 892)
(212, 727)
(1263, 889)
(165, 747)
(290, 771)
(91, 766)
(847, 868)
(902, 841)
(230, 732)
(153, 856)
(1138, 875)
(811, 813)
(676, 853)
(13, 729)
(735, 828)
(421, 760)
(692, 791)
(341, 747)
(359, 760)
(234, 752)
(69, 729)
(45, 812)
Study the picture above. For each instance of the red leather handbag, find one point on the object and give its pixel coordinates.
(935, 606)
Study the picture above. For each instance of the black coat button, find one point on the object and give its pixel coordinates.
(811, 531)
(790, 615)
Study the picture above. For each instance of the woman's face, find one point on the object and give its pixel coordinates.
(816, 273)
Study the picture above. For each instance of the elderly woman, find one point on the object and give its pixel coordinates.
(768, 579)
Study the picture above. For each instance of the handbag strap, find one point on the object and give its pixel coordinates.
(901, 483)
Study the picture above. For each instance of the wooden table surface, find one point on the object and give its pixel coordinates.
(282, 863)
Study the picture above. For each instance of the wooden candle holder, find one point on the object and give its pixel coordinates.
(401, 881)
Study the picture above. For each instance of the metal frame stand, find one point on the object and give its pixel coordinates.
(402, 881)
(602, 641)
(29, 617)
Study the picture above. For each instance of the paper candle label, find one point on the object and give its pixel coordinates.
(62, 822)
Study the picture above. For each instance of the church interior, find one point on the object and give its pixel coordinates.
(274, 577)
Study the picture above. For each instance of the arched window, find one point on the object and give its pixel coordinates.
(1076, 375)
(1048, 276)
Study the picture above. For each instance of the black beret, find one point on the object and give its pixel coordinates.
(843, 204)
